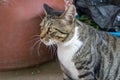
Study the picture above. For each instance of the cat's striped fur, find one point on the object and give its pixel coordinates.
(84, 53)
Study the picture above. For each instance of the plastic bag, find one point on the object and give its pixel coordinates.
(107, 16)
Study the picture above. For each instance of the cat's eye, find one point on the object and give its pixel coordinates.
(59, 37)
(49, 30)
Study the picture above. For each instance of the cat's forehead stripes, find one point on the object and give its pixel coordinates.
(51, 17)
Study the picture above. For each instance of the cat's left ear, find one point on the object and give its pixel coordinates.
(69, 13)
(50, 11)
(46, 9)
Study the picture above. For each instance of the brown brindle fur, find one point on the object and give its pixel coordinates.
(99, 56)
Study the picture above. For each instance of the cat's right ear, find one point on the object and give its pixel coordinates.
(69, 13)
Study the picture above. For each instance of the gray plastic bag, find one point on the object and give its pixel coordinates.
(106, 15)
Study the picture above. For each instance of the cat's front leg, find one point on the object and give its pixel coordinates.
(66, 75)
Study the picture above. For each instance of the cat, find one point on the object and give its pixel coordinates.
(84, 53)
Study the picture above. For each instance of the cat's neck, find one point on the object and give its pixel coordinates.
(80, 32)
(73, 39)
(74, 34)
(86, 31)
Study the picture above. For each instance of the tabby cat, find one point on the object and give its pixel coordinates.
(84, 53)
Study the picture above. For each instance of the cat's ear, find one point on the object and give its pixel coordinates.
(50, 11)
(69, 13)
(46, 9)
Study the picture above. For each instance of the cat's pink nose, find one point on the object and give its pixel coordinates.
(41, 36)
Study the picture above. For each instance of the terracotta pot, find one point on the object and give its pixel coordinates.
(19, 22)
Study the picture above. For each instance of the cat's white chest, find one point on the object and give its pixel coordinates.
(65, 56)
(66, 53)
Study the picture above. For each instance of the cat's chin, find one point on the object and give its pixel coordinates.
(48, 44)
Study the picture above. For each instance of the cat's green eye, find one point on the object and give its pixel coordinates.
(49, 29)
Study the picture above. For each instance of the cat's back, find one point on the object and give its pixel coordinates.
(100, 51)
(114, 72)
(118, 44)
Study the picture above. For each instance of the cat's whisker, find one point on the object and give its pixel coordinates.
(35, 43)
(32, 48)
(53, 50)
(50, 48)
(35, 36)
(38, 48)
(54, 47)
(32, 40)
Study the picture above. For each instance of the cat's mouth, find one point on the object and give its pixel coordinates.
(48, 42)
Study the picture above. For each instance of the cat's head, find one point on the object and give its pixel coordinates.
(57, 29)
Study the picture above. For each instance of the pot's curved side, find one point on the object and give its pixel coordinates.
(19, 22)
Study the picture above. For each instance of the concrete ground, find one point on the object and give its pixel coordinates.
(47, 71)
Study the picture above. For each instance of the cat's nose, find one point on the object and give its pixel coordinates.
(42, 35)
